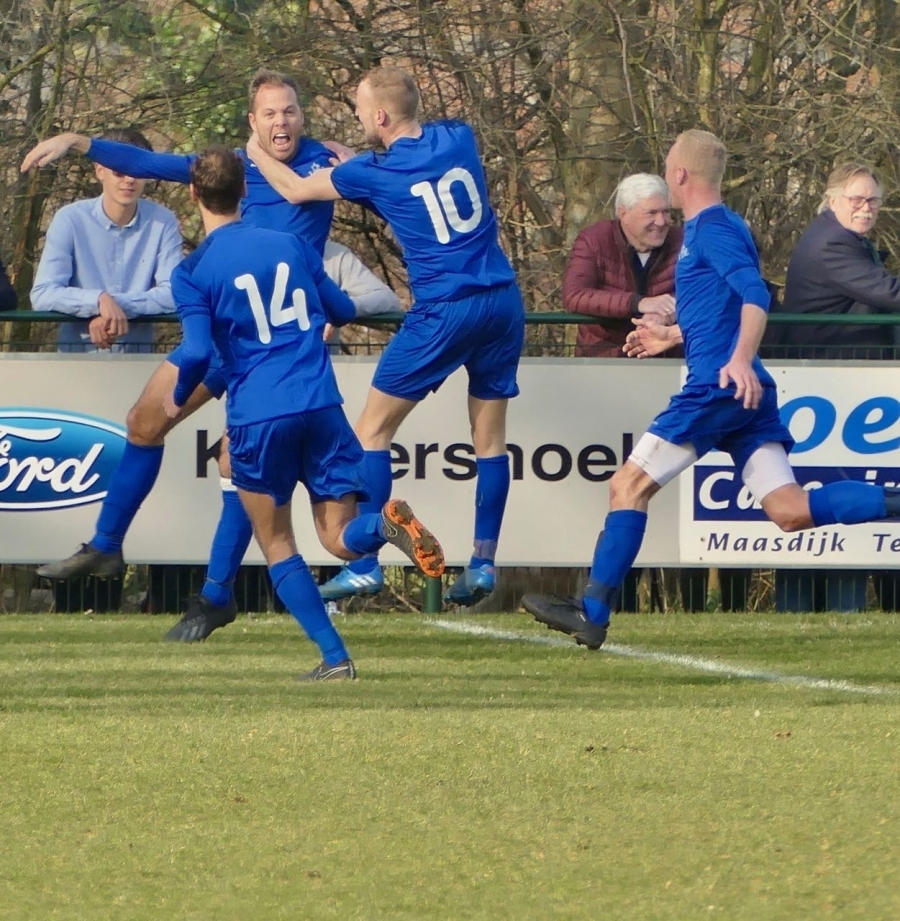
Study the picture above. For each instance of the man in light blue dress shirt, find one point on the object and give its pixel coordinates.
(107, 260)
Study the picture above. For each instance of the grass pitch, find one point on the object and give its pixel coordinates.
(733, 766)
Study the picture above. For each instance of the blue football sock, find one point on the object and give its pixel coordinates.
(129, 485)
(296, 588)
(232, 538)
(365, 534)
(491, 491)
(847, 502)
(378, 477)
(617, 549)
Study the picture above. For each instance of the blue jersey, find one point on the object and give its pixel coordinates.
(262, 206)
(262, 298)
(716, 274)
(431, 190)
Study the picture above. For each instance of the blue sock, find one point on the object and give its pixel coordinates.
(230, 543)
(378, 477)
(365, 534)
(491, 491)
(617, 549)
(846, 502)
(297, 589)
(129, 485)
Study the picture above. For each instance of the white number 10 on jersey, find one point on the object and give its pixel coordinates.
(278, 314)
(442, 208)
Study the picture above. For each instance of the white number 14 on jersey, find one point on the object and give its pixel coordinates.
(278, 313)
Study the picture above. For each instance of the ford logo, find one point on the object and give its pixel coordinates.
(55, 459)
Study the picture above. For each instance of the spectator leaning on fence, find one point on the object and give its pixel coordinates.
(8, 299)
(624, 267)
(834, 270)
(108, 259)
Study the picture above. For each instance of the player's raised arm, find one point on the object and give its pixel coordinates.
(46, 152)
(296, 189)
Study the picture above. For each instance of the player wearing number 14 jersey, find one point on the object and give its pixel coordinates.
(259, 299)
(428, 183)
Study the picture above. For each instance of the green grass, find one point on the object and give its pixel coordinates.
(462, 777)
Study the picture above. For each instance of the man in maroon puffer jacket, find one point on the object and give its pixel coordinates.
(624, 267)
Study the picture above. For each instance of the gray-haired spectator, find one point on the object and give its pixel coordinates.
(107, 260)
(624, 267)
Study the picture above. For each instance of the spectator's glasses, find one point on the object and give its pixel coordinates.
(857, 201)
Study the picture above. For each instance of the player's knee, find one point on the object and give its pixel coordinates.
(791, 518)
(624, 489)
(145, 427)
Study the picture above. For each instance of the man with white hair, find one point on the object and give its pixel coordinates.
(624, 267)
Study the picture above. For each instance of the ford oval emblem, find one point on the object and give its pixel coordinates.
(54, 460)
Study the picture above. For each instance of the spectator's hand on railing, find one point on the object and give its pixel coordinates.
(663, 305)
(651, 337)
(46, 152)
(100, 336)
(112, 313)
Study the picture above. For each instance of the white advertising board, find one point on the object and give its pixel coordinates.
(62, 426)
(845, 420)
(567, 431)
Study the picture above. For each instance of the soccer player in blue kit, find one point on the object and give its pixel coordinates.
(258, 299)
(276, 117)
(728, 401)
(428, 184)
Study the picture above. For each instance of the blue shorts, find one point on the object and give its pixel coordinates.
(484, 333)
(215, 379)
(710, 417)
(318, 449)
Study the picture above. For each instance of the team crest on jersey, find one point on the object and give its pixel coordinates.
(684, 252)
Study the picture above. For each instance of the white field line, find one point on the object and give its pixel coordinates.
(667, 658)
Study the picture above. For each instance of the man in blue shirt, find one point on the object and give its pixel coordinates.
(109, 259)
(728, 400)
(285, 421)
(429, 185)
(275, 114)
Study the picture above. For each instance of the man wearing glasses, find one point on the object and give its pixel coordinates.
(835, 269)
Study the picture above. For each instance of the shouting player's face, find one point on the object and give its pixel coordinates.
(277, 120)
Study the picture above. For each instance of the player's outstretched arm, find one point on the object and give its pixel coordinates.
(46, 152)
(296, 189)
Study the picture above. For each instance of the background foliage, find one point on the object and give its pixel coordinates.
(567, 96)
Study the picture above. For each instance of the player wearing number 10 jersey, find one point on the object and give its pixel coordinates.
(428, 183)
(259, 299)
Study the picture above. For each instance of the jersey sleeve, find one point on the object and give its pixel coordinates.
(338, 307)
(194, 312)
(727, 252)
(140, 163)
(354, 179)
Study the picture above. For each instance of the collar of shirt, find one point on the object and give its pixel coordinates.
(104, 220)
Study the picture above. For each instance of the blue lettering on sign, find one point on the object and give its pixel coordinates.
(719, 494)
(51, 460)
(864, 431)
